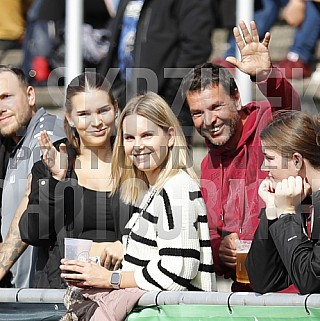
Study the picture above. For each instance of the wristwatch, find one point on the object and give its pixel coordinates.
(115, 279)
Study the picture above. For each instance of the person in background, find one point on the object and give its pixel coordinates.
(225, 17)
(285, 248)
(230, 173)
(44, 45)
(152, 42)
(300, 14)
(20, 125)
(43, 20)
(304, 16)
(74, 199)
(166, 243)
(12, 23)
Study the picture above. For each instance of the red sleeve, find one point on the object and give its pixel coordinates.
(279, 92)
(219, 267)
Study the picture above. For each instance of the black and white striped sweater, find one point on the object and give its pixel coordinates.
(168, 244)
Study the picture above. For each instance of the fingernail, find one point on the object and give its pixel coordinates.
(307, 181)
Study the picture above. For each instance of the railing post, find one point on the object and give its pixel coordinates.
(244, 12)
(73, 39)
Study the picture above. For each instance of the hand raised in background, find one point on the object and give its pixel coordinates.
(294, 12)
(56, 161)
(255, 57)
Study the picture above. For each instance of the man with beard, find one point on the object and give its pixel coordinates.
(230, 173)
(20, 126)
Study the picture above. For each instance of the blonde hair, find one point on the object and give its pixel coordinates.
(132, 182)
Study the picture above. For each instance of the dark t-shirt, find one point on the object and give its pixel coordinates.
(98, 223)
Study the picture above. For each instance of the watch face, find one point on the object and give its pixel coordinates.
(115, 278)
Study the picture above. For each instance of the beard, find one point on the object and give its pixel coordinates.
(17, 125)
(229, 131)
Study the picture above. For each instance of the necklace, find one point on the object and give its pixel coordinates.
(146, 205)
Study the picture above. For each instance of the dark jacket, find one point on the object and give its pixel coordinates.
(281, 253)
(55, 211)
(170, 34)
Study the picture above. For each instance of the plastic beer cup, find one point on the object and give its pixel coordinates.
(77, 249)
(242, 248)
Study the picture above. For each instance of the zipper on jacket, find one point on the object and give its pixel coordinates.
(221, 192)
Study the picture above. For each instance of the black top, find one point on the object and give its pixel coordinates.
(100, 226)
(282, 254)
(59, 209)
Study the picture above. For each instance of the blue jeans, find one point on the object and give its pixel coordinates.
(38, 42)
(264, 18)
(307, 35)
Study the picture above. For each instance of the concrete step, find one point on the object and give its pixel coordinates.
(281, 39)
(52, 98)
(11, 57)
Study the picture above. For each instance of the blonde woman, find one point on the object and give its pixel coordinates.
(166, 243)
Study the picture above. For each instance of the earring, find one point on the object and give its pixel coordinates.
(71, 124)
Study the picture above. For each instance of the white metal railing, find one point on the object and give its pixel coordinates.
(170, 298)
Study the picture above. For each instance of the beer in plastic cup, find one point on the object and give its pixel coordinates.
(242, 248)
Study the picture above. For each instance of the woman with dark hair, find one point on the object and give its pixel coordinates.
(71, 187)
(285, 249)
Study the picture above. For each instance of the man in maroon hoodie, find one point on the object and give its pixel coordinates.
(230, 173)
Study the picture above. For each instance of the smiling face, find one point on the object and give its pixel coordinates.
(215, 114)
(146, 144)
(93, 116)
(16, 104)
(277, 166)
